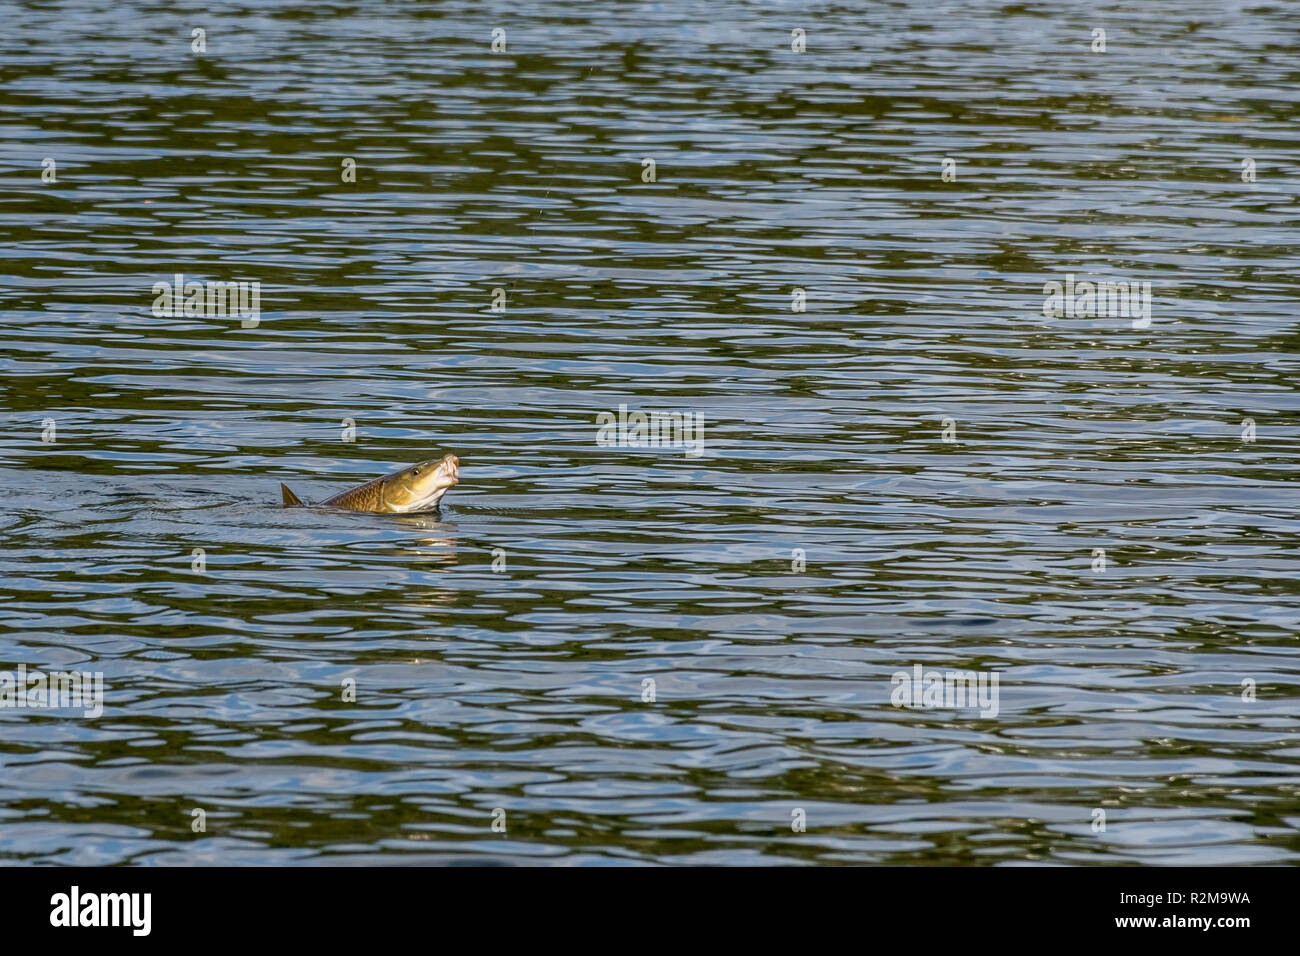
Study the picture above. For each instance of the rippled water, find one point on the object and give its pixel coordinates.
(520, 689)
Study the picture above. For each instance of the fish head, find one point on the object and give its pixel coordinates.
(421, 487)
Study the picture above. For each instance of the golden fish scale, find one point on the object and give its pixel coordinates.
(367, 497)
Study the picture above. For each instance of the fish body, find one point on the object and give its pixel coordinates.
(414, 488)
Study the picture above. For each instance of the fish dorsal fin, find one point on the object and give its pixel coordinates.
(290, 499)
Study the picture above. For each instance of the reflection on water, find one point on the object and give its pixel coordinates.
(639, 654)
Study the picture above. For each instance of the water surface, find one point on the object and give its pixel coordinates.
(521, 688)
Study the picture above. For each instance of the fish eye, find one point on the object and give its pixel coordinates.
(417, 471)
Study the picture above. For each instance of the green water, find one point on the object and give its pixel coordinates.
(826, 538)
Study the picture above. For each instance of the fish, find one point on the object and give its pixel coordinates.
(414, 488)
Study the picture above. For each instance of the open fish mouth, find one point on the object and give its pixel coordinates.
(444, 477)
